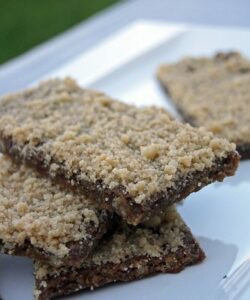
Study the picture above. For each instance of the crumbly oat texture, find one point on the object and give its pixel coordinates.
(134, 161)
(39, 220)
(129, 253)
(214, 93)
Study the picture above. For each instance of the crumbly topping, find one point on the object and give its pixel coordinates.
(97, 139)
(130, 243)
(212, 92)
(35, 211)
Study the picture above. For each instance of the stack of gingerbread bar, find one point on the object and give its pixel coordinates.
(88, 186)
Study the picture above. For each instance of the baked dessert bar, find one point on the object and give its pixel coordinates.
(129, 253)
(134, 161)
(41, 221)
(214, 93)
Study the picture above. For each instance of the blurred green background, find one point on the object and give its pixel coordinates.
(26, 23)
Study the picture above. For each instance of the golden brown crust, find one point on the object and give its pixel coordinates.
(39, 220)
(129, 254)
(128, 157)
(213, 92)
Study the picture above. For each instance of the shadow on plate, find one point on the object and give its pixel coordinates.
(220, 258)
(16, 278)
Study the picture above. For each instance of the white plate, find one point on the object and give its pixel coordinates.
(124, 67)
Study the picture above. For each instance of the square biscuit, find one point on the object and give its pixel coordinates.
(214, 93)
(133, 161)
(41, 221)
(129, 253)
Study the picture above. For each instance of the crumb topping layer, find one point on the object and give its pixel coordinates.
(34, 210)
(130, 243)
(212, 92)
(90, 137)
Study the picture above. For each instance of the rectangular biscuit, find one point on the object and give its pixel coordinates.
(214, 93)
(41, 221)
(134, 161)
(129, 253)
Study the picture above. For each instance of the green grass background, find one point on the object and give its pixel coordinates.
(26, 23)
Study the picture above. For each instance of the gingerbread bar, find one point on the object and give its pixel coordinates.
(40, 221)
(214, 93)
(129, 253)
(134, 161)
